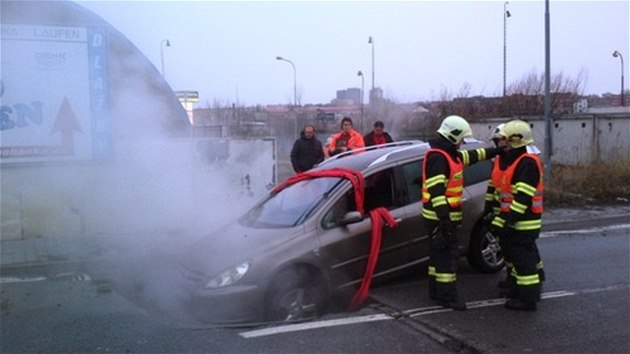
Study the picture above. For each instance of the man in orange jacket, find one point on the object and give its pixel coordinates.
(346, 140)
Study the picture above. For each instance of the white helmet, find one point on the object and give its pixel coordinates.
(518, 133)
(498, 132)
(454, 129)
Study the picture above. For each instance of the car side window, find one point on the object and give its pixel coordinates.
(379, 190)
(477, 172)
(412, 174)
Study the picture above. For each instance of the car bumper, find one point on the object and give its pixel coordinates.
(228, 305)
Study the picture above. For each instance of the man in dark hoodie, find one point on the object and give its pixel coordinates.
(307, 150)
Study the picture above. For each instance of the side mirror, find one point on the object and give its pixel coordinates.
(351, 217)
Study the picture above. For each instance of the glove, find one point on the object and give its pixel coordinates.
(446, 228)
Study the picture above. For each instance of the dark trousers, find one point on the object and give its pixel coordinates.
(507, 256)
(442, 266)
(523, 253)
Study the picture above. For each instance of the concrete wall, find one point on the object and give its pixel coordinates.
(576, 139)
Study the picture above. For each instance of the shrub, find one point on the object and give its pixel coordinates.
(596, 183)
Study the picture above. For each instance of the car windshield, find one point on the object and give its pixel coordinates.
(291, 206)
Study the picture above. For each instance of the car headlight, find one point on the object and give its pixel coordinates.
(228, 277)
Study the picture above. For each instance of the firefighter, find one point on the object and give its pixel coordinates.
(492, 209)
(442, 190)
(520, 186)
(493, 204)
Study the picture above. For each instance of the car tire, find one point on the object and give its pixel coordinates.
(295, 294)
(484, 252)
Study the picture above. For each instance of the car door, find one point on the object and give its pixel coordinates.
(345, 249)
(411, 198)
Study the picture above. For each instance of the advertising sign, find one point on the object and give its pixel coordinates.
(53, 94)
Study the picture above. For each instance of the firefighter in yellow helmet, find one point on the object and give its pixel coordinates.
(442, 189)
(518, 222)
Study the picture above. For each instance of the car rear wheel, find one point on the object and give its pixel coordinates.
(484, 253)
(296, 294)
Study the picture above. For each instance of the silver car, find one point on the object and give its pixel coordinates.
(300, 248)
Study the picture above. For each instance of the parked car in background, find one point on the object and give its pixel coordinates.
(297, 249)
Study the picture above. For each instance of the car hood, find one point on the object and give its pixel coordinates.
(233, 244)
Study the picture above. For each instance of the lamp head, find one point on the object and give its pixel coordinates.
(279, 58)
(360, 73)
(168, 43)
(370, 40)
(616, 54)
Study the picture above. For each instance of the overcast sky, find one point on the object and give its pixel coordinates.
(227, 50)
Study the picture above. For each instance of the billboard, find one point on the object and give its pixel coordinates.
(53, 94)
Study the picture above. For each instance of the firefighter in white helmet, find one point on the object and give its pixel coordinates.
(442, 189)
(493, 203)
(518, 222)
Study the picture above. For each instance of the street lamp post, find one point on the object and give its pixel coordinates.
(506, 14)
(294, 79)
(168, 44)
(371, 41)
(617, 54)
(360, 73)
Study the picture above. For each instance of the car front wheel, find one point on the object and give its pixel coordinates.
(296, 294)
(484, 253)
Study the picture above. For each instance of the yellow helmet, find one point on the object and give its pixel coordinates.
(454, 129)
(518, 133)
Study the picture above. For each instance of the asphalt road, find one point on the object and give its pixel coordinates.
(585, 308)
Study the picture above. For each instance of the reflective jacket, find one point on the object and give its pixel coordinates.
(493, 197)
(355, 141)
(521, 200)
(454, 189)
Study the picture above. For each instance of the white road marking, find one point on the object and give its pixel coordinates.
(421, 311)
(8, 280)
(70, 276)
(584, 231)
(314, 324)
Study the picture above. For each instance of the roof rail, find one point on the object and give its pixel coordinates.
(373, 147)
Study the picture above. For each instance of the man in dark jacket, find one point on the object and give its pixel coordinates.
(378, 135)
(307, 150)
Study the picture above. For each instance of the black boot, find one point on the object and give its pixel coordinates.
(510, 292)
(519, 305)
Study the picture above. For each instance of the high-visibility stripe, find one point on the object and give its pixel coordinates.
(524, 188)
(498, 221)
(518, 207)
(445, 277)
(527, 279)
(481, 154)
(435, 180)
(439, 200)
(432, 215)
(431, 271)
(525, 225)
(465, 158)
(539, 265)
